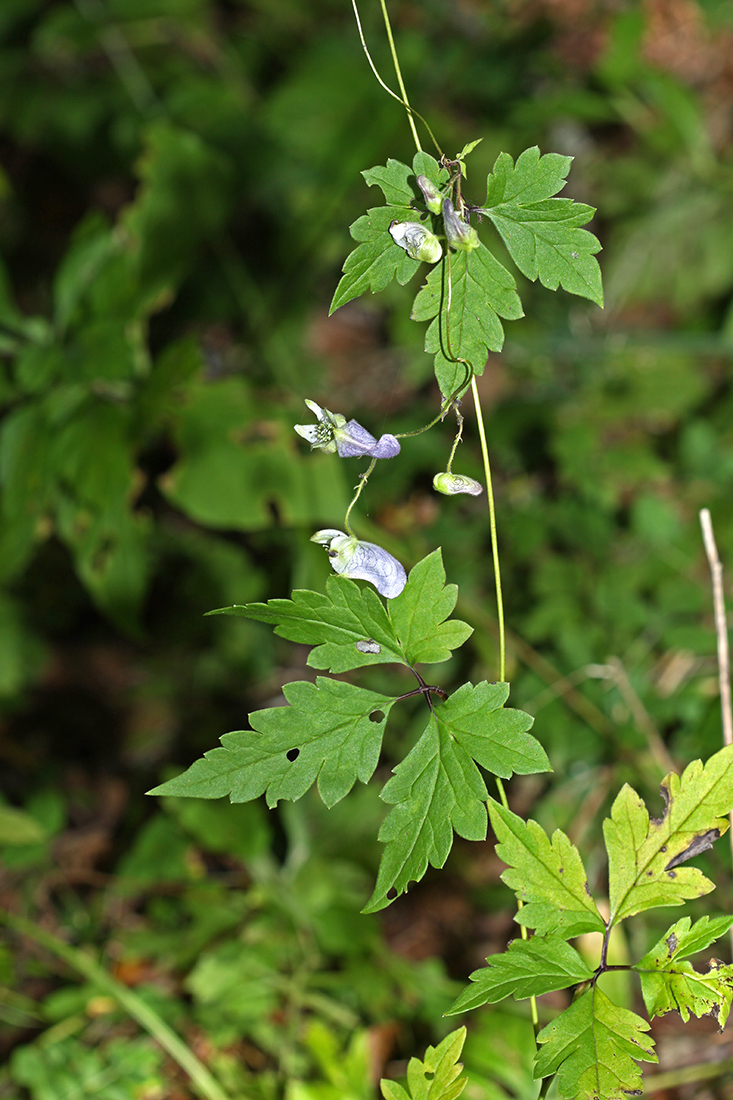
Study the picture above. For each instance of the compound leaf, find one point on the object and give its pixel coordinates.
(527, 968)
(542, 233)
(438, 1077)
(331, 732)
(337, 624)
(418, 614)
(482, 291)
(547, 875)
(438, 790)
(670, 984)
(592, 1047)
(644, 856)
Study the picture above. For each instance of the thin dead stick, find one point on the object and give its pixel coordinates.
(721, 625)
(721, 634)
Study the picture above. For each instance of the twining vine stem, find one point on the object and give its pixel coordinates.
(482, 438)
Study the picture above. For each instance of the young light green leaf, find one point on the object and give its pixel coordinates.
(461, 157)
(547, 875)
(592, 1046)
(438, 1077)
(331, 732)
(418, 614)
(528, 968)
(670, 984)
(437, 789)
(341, 625)
(482, 291)
(542, 233)
(645, 857)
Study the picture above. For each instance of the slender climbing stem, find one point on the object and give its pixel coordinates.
(398, 71)
(411, 112)
(484, 453)
(363, 478)
(203, 1082)
(492, 522)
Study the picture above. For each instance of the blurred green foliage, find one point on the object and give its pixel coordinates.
(176, 185)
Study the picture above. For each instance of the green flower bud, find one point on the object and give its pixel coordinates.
(459, 233)
(433, 196)
(418, 242)
(452, 484)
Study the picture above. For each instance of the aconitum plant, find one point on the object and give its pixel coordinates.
(372, 612)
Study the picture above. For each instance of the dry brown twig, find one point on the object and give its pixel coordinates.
(721, 635)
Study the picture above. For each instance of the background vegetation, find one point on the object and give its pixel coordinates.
(177, 181)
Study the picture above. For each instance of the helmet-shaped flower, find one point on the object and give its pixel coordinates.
(362, 561)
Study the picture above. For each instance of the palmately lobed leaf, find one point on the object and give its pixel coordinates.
(331, 733)
(435, 790)
(418, 614)
(645, 856)
(528, 968)
(546, 874)
(593, 1046)
(438, 789)
(542, 233)
(336, 623)
(351, 627)
(377, 260)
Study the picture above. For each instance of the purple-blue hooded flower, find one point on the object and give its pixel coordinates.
(362, 561)
(334, 434)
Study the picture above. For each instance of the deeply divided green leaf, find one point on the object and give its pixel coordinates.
(593, 1047)
(331, 733)
(482, 291)
(438, 1077)
(438, 790)
(542, 233)
(546, 874)
(528, 968)
(645, 857)
(669, 983)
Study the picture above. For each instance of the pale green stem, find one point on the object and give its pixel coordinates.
(363, 478)
(398, 70)
(203, 1082)
(492, 521)
(456, 441)
(410, 110)
(487, 469)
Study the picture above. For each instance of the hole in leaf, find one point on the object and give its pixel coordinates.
(429, 1075)
(376, 716)
(391, 893)
(292, 754)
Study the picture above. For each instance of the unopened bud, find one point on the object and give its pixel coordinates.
(459, 233)
(418, 242)
(452, 484)
(433, 196)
